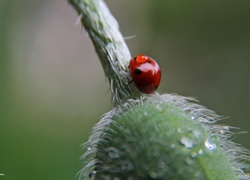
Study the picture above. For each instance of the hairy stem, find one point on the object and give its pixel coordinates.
(110, 46)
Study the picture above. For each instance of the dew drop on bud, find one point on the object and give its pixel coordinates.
(92, 174)
(113, 153)
(201, 152)
(126, 166)
(210, 145)
(186, 142)
(193, 154)
(172, 146)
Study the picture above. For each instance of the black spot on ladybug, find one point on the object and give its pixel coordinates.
(148, 61)
(135, 58)
(137, 71)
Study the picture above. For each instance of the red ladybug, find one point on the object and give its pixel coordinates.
(145, 72)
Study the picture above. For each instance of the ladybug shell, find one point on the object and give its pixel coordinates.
(145, 73)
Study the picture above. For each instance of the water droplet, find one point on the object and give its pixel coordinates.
(193, 117)
(127, 166)
(161, 164)
(222, 131)
(189, 161)
(210, 145)
(193, 154)
(226, 128)
(2, 174)
(92, 174)
(201, 152)
(89, 148)
(172, 145)
(196, 133)
(153, 175)
(113, 153)
(186, 142)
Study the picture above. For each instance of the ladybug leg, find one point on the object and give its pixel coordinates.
(130, 82)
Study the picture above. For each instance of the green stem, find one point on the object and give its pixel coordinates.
(110, 46)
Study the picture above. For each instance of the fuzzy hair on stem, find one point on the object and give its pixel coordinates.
(110, 46)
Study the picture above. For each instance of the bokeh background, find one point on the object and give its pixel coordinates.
(53, 89)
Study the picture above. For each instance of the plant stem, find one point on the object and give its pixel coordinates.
(110, 46)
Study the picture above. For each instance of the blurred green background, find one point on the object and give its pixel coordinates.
(53, 89)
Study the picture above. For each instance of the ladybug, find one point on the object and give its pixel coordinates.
(145, 73)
